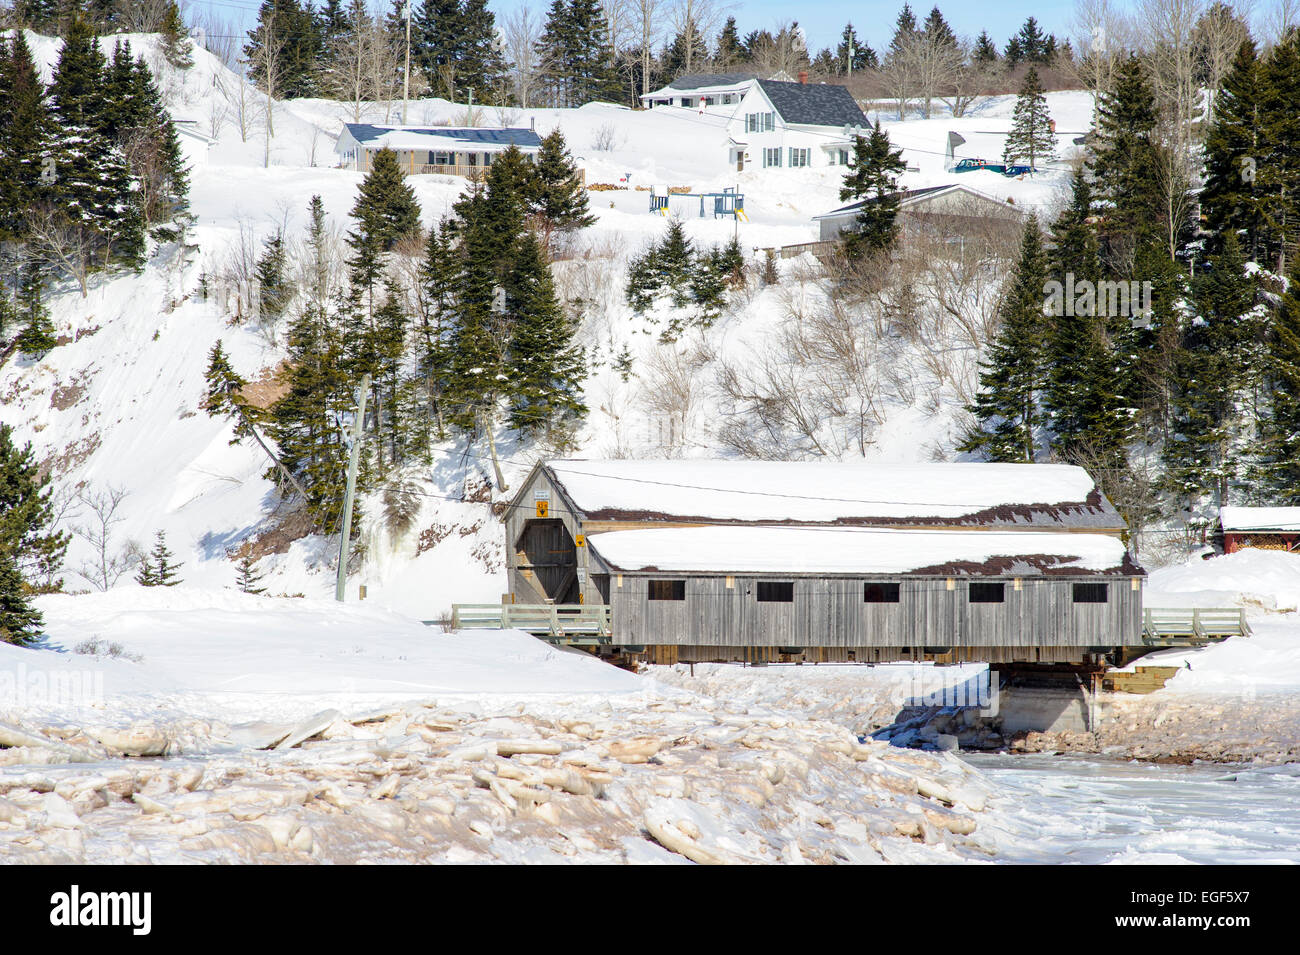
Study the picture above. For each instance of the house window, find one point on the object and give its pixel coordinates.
(442, 159)
(982, 593)
(772, 156)
(799, 157)
(879, 593)
(844, 157)
(775, 591)
(760, 122)
(667, 590)
(1091, 593)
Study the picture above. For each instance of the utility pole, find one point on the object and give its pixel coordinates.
(406, 76)
(354, 458)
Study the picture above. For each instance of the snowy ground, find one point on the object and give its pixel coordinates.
(208, 726)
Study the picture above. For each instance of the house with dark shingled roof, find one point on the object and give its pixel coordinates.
(779, 125)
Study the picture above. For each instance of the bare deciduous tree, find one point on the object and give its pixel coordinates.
(108, 562)
(521, 31)
(1101, 38)
(693, 21)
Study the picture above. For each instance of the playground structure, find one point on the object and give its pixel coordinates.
(728, 202)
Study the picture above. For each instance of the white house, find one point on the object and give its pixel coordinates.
(194, 143)
(780, 125)
(449, 150)
(695, 90)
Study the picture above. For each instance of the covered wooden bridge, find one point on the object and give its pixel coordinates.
(819, 561)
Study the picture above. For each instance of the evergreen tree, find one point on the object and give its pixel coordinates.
(937, 31)
(595, 75)
(37, 336)
(1014, 53)
(435, 32)
(158, 569)
(560, 198)
(545, 367)
(176, 47)
(93, 191)
(863, 57)
(481, 64)
(286, 37)
(224, 397)
(873, 179)
(986, 50)
(273, 288)
(555, 49)
(25, 136)
(1012, 377)
(1031, 137)
(1279, 467)
(728, 52)
(684, 54)
(1080, 397)
(1232, 153)
(31, 551)
(1127, 196)
(386, 209)
(249, 578)
(1215, 369)
(904, 30)
(1278, 169)
(1034, 45)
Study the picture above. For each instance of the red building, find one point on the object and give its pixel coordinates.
(1265, 528)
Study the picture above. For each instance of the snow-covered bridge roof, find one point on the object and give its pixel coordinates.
(1022, 496)
(843, 550)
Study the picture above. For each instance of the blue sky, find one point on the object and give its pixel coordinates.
(822, 20)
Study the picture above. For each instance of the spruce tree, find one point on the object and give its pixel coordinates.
(544, 366)
(176, 47)
(1081, 395)
(249, 578)
(158, 569)
(1031, 137)
(1229, 200)
(26, 136)
(873, 179)
(1127, 196)
(1216, 367)
(560, 198)
(1278, 470)
(1006, 409)
(287, 35)
(30, 547)
(1278, 169)
(986, 51)
(273, 289)
(727, 51)
(224, 397)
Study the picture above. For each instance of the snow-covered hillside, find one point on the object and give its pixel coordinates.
(117, 405)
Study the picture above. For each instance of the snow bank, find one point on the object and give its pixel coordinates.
(1270, 578)
(228, 655)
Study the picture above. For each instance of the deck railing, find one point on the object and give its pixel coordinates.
(567, 622)
(440, 169)
(1184, 625)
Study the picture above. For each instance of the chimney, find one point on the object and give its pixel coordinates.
(532, 122)
(803, 76)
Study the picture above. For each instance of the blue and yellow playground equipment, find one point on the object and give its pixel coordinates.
(728, 202)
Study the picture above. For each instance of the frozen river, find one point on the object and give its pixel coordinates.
(1064, 809)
